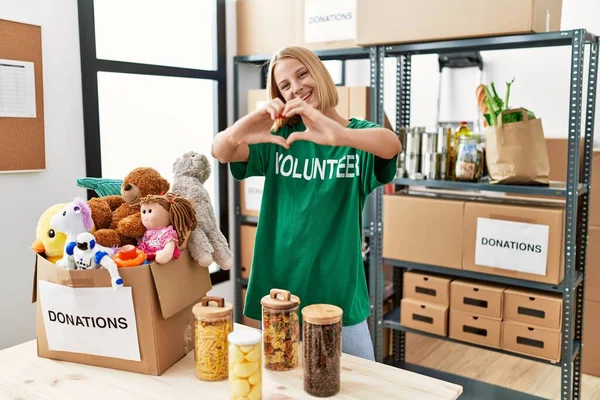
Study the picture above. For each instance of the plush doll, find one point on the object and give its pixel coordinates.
(72, 219)
(206, 243)
(126, 225)
(167, 219)
(86, 254)
(49, 242)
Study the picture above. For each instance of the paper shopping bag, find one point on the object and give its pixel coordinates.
(516, 152)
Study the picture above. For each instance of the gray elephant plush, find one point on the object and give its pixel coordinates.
(206, 243)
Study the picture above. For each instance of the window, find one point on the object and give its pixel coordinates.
(154, 87)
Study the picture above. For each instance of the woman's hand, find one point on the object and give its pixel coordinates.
(256, 126)
(319, 128)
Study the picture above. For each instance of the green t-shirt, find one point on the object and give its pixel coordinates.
(309, 235)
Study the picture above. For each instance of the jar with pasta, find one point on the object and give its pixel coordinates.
(322, 349)
(214, 321)
(245, 359)
(280, 330)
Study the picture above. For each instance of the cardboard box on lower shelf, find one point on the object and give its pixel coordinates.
(247, 236)
(427, 317)
(145, 326)
(516, 241)
(531, 340)
(478, 298)
(534, 308)
(475, 329)
(423, 230)
(245, 320)
(427, 287)
(591, 344)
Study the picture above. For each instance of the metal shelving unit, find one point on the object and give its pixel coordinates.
(575, 191)
(373, 231)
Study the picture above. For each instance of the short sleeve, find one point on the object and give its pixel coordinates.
(170, 234)
(375, 171)
(255, 166)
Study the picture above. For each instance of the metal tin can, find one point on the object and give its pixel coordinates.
(429, 142)
(412, 165)
(413, 142)
(430, 166)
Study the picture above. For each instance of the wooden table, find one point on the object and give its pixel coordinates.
(23, 375)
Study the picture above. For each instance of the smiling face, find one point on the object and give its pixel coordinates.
(294, 80)
(154, 216)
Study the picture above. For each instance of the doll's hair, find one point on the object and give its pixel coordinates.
(327, 94)
(181, 211)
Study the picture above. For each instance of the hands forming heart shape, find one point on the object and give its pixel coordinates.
(319, 128)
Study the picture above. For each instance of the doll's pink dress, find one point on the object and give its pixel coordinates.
(155, 239)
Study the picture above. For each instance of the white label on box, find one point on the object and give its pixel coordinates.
(512, 245)
(329, 20)
(98, 321)
(253, 191)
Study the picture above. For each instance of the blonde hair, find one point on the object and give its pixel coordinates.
(327, 94)
(181, 211)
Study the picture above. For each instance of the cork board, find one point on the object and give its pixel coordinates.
(22, 140)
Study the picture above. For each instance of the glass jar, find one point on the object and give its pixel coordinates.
(469, 159)
(214, 321)
(280, 330)
(322, 349)
(245, 359)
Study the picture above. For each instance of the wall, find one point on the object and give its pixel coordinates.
(25, 196)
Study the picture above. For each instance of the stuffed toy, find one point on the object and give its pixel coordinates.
(86, 254)
(49, 242)
(73, 219)
(206, 243)
(168, 219)
(126, 224)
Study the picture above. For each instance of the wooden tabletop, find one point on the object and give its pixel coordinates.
(23, 375)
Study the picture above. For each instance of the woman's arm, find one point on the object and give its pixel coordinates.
(232, 144)
(379, 141)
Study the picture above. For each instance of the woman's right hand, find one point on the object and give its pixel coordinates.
(256, 127)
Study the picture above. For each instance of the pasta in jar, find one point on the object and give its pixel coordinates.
(213, 324)
(280, 330)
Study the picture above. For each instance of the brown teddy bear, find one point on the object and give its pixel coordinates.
(126, 224)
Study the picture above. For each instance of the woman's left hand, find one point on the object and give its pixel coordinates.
(319, 128)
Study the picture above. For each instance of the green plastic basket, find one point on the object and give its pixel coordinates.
(102, 186)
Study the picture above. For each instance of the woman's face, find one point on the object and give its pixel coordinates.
(293, 80)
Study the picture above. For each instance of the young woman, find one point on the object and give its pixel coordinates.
(319, 169)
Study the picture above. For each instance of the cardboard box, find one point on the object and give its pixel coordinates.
(531, 340)
(331, 26)
(592, 269)
(399, 21)
(245, 320)
(426, 317)
(477, 298)
(258, 32)
(427, 287)
(247, 236)
(423, 230)
(475, 329)
(591, 345)
(533, 308)
(510, 240)
(161, 298)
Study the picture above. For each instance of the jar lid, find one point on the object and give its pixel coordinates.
(322, 314)
(244, 337)
(212, 307)
(280, 299)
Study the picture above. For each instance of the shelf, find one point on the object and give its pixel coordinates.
(547, 39)
(482, 277)
(248, 220)
(243, 282)
(356, 53)
(472, 388)
(555, 189)
(392, 321)
(366, 232)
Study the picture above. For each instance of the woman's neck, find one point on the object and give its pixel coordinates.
(333, 114)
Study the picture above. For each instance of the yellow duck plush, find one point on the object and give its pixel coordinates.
(48, 242)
